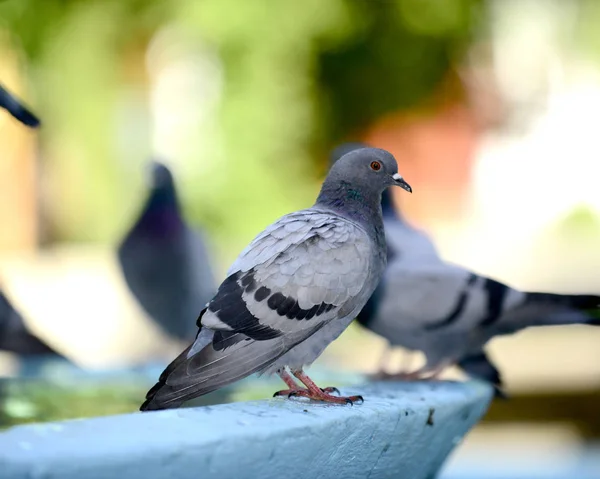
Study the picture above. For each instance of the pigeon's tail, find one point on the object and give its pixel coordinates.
(16, 109)
(479, 366)
(151, 401)
(215, 360)
(564, 309)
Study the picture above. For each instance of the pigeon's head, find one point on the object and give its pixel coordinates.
(159, 176)
(344, 148)
(387, 200)
(161, 211)
(368, 169)
(356, 181)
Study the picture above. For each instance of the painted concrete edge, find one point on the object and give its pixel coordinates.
(402, 430)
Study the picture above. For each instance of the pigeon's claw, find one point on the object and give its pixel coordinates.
(287, 392)
(323, 396)
(317, 394)
(312, 391)
(330, 390)
(297, 391)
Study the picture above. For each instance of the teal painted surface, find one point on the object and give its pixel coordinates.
(403, 430)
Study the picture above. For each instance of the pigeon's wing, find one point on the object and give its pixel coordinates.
(443, 296)
(446, 310)
(16, 109)
(302, 272)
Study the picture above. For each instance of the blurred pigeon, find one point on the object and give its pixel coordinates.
(16, 109)
(165, 263)
(478, 365)
(14, 335)
(292, 291)
(447, 312)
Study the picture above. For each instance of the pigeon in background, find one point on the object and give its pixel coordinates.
(14, 335)
(165, 263)
(478, 365)
(292, 291)
(448, 312)
(16, 109)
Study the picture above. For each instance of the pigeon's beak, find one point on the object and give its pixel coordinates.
(399, 181)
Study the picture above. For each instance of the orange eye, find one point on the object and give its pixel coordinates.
(375, 166)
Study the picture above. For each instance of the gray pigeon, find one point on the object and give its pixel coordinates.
(447, 312)
(14, 335)
(292, 291)
(165, 263)
(16, 109)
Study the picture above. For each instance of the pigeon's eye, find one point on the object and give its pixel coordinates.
(375, 166)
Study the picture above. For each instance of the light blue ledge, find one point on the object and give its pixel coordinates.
(403, 430)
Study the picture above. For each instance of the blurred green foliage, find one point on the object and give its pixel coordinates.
(587, 33)
(60, 394)
(297, 77)
(24, 401)
(396, 56)
(43, 402)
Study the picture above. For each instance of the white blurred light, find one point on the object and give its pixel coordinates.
(186, 78)
(525, 182)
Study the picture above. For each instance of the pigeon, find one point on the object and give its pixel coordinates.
(14, 335)
(166, 263)
(479, 365)
(448, 312)
(292, 291)
(16, 109)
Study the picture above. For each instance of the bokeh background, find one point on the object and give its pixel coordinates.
(491, 107)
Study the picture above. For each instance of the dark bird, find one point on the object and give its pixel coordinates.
(14, 335)
(448, 312)
(292, 291)
(17, 109)
(166, 263)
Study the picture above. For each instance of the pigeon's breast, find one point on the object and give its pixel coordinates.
(306, 352)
